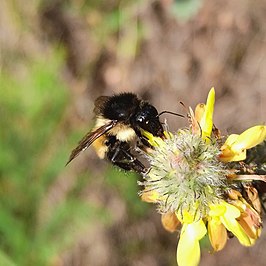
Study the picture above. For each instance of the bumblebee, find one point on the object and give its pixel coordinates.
(119, 122)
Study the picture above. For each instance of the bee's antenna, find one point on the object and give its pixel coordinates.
(171, 113)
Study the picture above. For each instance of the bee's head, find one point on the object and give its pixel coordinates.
(147, 118)
(126, 108)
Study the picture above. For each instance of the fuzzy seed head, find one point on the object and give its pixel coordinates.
(186, 174)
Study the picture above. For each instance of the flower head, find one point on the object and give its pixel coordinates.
(193, 185)
(191, 176)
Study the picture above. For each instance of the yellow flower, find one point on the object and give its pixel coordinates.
(188, 249)
(227, 215)
(234, 148)
(191, 182)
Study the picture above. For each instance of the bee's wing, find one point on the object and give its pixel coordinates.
(89, 139)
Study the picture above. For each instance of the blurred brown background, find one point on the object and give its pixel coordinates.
(57, 57)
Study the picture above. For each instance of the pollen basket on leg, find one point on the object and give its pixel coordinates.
(100, 147)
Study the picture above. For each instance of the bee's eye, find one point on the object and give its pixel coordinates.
(140, 118)
(121, 114)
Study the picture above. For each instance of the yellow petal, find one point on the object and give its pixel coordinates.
(185, 217)
(170, 221)
(217, 210)
(231, 210)
(231, 140)
(234, 148)
(188, 249)
(250, 138)
(206, 122)
(217, 234)
(233, 226)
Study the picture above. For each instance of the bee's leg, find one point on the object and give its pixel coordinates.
(144, 141)
(119, 154)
